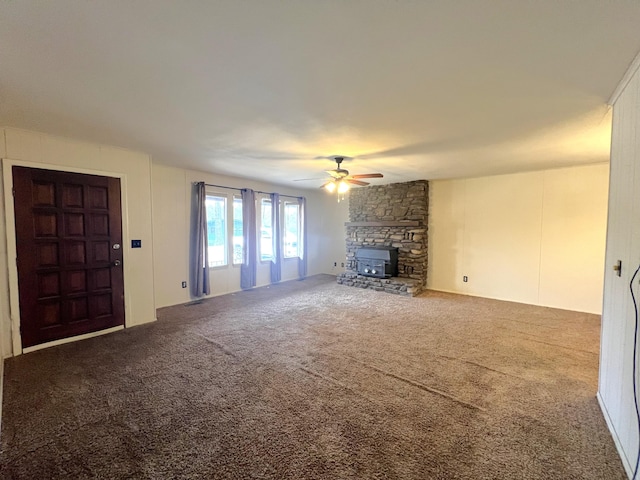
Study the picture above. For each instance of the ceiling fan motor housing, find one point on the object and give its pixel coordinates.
(341, 172)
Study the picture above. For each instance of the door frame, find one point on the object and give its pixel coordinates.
(12, 266)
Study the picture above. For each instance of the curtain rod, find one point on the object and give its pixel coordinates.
(240, 189)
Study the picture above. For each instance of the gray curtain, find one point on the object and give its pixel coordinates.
(248, 267)
(302, 261)
(276, 257)
(199, 243)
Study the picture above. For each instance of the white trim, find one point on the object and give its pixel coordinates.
(12, 267)
(283, 233)
(228, 239)
(260, 198)
(62, 341)
(626, 78)
(153, 257)
(616, 440)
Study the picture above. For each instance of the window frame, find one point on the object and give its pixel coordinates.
(230, 199)
(283, 237)
(261, 202)
(215, 194)
(235, 198)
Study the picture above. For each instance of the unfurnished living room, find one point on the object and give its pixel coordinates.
(342, 239)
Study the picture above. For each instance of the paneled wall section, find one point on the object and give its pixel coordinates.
(534, 237)
(615, 390)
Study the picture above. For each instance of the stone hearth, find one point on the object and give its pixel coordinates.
(392, 215)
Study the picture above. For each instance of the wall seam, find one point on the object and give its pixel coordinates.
(153, 263)
(464, 233)
(544, 179)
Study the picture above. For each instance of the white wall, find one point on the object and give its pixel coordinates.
(534, 237)
(171, 223)
(615, 389)
(328, 241)
(46, 151)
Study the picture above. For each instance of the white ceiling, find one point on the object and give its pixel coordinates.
(261, 88)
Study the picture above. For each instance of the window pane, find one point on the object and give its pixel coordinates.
(291, 229)
(217, 230)
(265, 230)
(237, 231)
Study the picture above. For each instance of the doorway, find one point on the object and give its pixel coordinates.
(69, 253)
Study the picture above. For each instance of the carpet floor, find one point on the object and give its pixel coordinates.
(314, 380)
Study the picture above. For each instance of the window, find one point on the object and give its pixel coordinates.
(291, 230)
(266, 247)
(216, 207)
(225, 229)
(237, 239)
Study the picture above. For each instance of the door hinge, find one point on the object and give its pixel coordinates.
(13, 192)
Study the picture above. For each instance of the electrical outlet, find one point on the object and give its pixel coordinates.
(342, 264)
(465, 279)
(184, 284)
(335, 264)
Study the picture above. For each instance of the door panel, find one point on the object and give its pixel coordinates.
(66, 227)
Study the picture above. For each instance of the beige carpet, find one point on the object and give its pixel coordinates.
(313, 380)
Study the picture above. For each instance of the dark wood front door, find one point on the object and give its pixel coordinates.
(69, 246)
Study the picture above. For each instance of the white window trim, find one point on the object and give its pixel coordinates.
(235, 197)
(259, 230)
(282, 236)
(216, 193)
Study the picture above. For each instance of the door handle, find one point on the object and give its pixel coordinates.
(116, 263)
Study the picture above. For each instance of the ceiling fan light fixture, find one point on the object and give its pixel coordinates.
(330, 187)
(341, 181)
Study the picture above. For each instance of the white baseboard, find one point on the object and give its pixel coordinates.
(623, 456)
(511, 300)
(72, 339)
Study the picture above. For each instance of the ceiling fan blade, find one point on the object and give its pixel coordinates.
(368, 175)
(356, 182)
(325, 184)
(306, 179)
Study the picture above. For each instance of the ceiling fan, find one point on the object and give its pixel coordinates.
(341, 178)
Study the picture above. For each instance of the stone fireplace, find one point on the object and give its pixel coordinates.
(392, 215)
